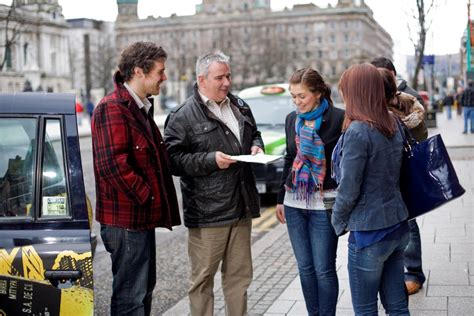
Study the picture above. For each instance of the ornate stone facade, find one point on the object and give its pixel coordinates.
(93, 57)
(37, 57)
(264, 46)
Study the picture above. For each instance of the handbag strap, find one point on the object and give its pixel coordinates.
(408, 139)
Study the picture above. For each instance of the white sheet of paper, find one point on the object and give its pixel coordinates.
(258, 158)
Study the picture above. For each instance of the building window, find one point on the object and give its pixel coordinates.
(53, 62)
(319, 39)
(25, 53)
(346, 37)
(8, 57)
(333, 70)
(320, 54)
(333, 38)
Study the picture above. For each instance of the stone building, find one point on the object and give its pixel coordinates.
(34, 53)
(264, 46)
(93, 57)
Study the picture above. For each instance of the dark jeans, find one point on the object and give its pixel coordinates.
(133, 268)
(375, 269)
(315, 244)
(412, 262)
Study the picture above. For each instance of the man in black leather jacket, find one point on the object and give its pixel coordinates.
(219, 194)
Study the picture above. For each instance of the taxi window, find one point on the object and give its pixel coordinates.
(54, 192)
(17, 161)
(271, 110)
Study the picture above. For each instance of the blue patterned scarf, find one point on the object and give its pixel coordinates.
(309, 166)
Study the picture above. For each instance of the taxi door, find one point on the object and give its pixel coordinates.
(45, 249)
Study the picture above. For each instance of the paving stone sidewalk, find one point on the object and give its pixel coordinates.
(447, 236)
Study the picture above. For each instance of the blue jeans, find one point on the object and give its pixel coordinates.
(412, 262)
(468, 113)
(378, 269)
(133, 268)
(314, 244)
(448, 111)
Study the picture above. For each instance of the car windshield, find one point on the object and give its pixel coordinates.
(271, 110)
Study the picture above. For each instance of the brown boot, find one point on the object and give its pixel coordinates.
(412, 287)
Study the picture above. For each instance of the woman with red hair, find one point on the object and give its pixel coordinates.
(369, 204)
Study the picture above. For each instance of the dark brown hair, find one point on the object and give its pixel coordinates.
(142, 55)
(389, 84)
(313, 81)
(383, 62)
(395, 101)
(362, 90)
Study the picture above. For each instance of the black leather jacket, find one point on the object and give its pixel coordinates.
(212, 196)
(330, 130)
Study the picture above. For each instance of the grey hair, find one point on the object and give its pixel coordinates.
(205, 61)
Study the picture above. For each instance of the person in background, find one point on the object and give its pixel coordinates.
(307, 191)
(135, 189)
(414, 275)
(457, 100)
(220, 196)
(448, 102)
(369, 204)
(467, 103)
(90, 107)
(79, 111)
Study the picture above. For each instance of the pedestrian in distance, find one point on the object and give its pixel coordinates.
(457, 100)
(369, 204)
(307, 192)
(414, 275)
(90, 108)
(448, 102)
(220, 197)
(467, 103)
(79, 111)
(135, 190)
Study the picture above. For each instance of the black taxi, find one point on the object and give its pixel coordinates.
(45, 241)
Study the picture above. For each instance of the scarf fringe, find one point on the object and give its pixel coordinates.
(304, 190)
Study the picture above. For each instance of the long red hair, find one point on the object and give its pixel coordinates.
(362, 89)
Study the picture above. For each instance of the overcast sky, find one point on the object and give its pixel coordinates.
(449, 21)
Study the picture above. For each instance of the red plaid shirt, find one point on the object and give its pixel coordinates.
(134, 186)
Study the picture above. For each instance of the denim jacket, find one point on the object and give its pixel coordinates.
(369, 196)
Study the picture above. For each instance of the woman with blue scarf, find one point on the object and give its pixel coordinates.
(307, 191)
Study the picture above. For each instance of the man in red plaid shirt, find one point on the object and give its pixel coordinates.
(135, 190)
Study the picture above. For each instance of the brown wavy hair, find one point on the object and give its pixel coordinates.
(397, 103)
(313, 81)
(142, 55)
(362, 89)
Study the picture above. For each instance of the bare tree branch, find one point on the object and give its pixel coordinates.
(14, 25)
(423, 24)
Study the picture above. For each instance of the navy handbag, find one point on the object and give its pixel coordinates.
(427, 176)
